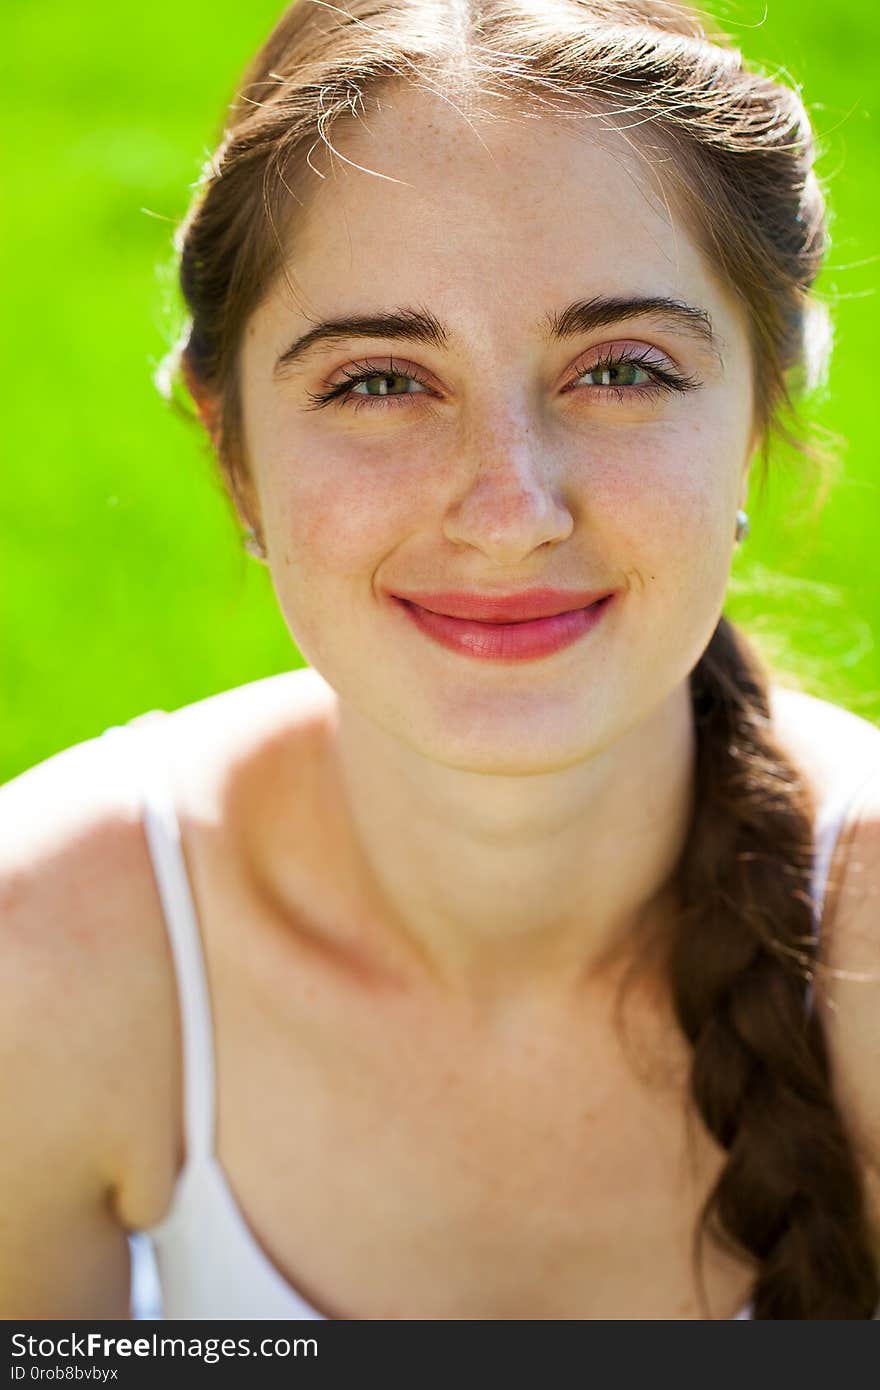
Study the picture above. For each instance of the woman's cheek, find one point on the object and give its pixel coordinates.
(645, 491)
(686, 481)
(654, 514)
(343, 518)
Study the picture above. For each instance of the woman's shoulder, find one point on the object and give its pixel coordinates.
(78, 938)
(224, 730)
(844, 749)
(802, 707)
(68, 853)
(88, 979)
(72, 841)
(835, 747)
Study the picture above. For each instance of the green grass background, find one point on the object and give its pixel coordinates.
(123, 585)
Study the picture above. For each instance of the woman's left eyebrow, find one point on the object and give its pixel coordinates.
(419, 325)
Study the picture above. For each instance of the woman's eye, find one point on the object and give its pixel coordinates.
(384, 384)
(617, 374)
(379, 386)
(624, 378)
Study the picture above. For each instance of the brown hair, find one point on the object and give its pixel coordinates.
(790, 1196)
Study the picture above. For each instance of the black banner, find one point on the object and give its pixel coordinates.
(308, 1353)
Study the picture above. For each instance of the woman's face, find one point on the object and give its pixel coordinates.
(501, 457)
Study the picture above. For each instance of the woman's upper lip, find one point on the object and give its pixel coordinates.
(506, 608)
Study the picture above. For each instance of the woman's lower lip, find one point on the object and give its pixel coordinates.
(507, 641)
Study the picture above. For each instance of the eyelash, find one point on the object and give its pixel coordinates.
(664, 380)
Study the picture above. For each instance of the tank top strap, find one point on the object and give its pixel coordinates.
(142, 741)
(834, 812)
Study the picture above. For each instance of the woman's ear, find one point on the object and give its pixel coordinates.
(208, 406)
(205, 403)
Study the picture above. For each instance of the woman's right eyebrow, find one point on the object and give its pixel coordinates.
(419, 325)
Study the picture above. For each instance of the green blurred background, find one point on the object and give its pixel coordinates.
(123, 584)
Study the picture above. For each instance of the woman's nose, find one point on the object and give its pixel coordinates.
(511, 500)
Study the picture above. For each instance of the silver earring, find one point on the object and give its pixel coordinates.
(253, 545)
(742, 525)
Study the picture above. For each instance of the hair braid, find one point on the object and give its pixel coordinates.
(791, 1193)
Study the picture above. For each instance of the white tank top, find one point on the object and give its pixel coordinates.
(202, 1260)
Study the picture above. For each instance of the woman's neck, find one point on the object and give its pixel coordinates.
(505, 886)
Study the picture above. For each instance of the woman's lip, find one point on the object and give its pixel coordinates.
(516, 641)
(506, 608)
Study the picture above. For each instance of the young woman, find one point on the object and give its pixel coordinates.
(469, 972)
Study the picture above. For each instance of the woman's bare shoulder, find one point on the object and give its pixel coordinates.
(68, 847)
(828, 741)
(73, 851)
(75, 914)
(846, 746)
(230, 739)
(800, 705)
(87, 992)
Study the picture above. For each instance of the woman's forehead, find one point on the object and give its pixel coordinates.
(421, 160)
(418, 203)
